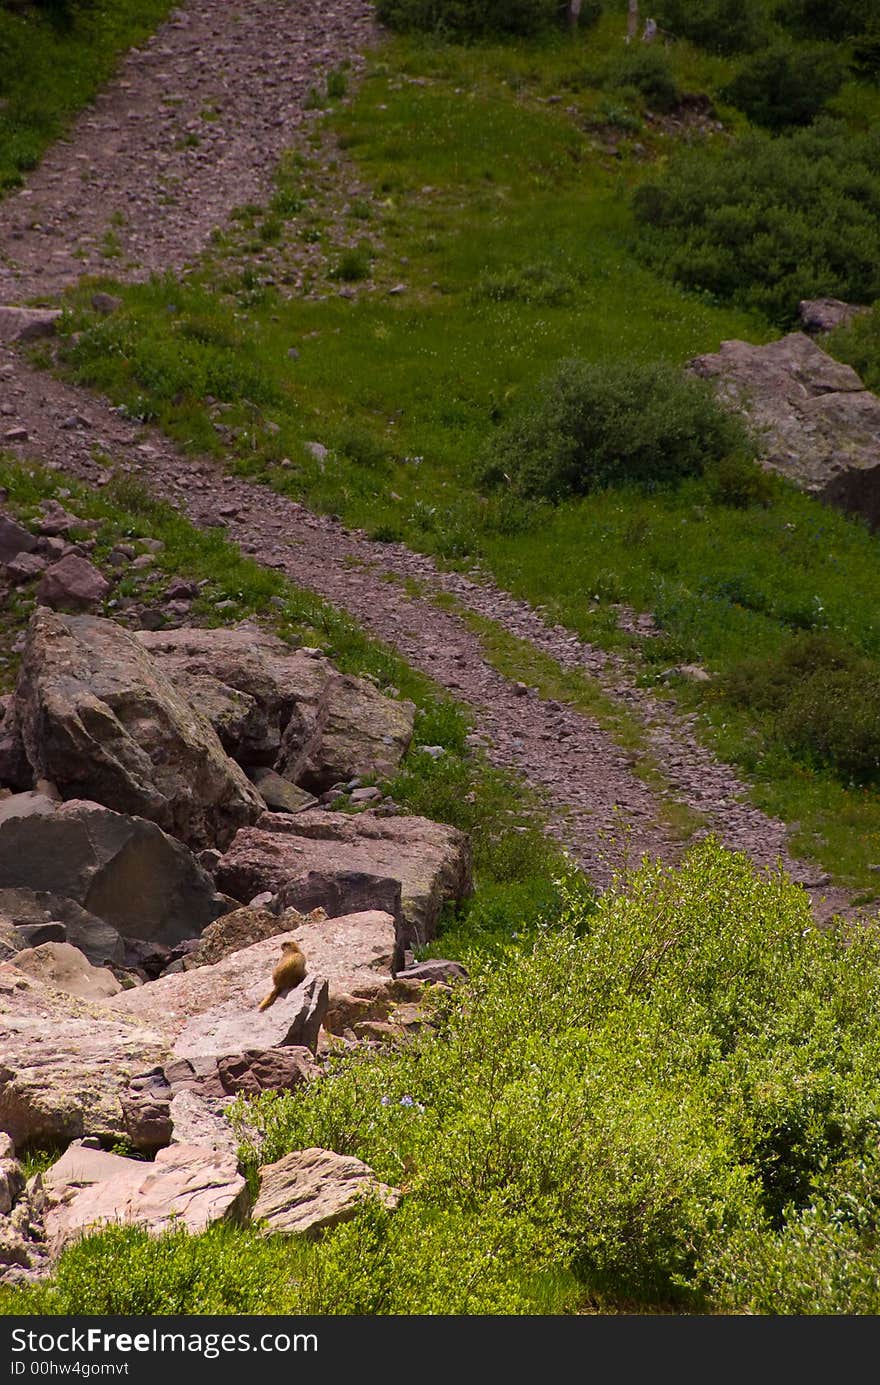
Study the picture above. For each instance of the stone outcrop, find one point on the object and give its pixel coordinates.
(312, 1189)
(64, 968)
(430, 861)
(238, 930)
(826, 314)
(188, 1186)
(64, 1063)
(100, 719)
(816, 423)
(123, 870)
(229, 1030)
(284, 708)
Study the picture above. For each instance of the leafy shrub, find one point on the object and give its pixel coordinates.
(835, 20)
(480, 18)
(866, 54)
(738, 481)
(533, 283)
(721, 26)
(648, 70)
(787, 85)
(589, 426)
(859, 345)
(769, 221)
(826, 702)
(353, 265)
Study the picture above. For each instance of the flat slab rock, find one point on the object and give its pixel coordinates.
(63, 967)
(349, 952)
(312, 1189)
(66, 1063)
(188, 1186)
(817, 423)
(431, 861)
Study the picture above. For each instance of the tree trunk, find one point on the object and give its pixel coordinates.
(632, 20)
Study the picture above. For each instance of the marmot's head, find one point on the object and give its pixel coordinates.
(290, 946)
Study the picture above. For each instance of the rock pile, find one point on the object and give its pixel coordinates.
(145, 891)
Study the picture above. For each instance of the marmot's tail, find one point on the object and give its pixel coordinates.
(270, 999)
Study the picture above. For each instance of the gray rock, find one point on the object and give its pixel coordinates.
(238, 930)
(312, 1189)
(65, 968)
(278, 793)
(24, 567)
(146, 1110)
(271, 1069)
(123, 870)
(201, 1120)
(188, 1186)
(14, 540)
(105, 303)
(435, 970)
(816, 423)
(431, 861)
(293, 712)
(826, 314)
(72, 584)
(227, 1030)
(41, 917)
(101, 720)
(28, 324)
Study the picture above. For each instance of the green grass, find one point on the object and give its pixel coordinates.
(50, 70)
(511, 231)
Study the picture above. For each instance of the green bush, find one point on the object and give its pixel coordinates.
(588, 426)
(721, 26)
(662, 1096)
(787, 84)
(739, 482)
(769, 221)
(825, 700)
(866, 53)
(480, 18)
(835, 20)
(648, 70)
(859, 345)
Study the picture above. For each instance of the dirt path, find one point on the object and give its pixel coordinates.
(128, 168)
(191, 127)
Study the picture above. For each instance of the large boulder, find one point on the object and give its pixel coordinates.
(431, 862)
(188, 1187)
(34, 911)
(64, 968)
(100, 720)
(65, 1063)
(27, 324)
(816, 423)
(73, 584)
(312, 1189)
(238, 930)
(284, 708)
(123, 870)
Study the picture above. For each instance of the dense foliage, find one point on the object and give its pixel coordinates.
(671, 1098)
(825, 699)
(835, 20)
(787, 84)
(647, 70)
(588, 426)
(721, 26)
(769, 221)
(480, 18)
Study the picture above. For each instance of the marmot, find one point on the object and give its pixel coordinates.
(288, 973)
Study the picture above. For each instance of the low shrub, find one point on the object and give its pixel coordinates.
(859, 346)
(720, 26)
(769, 221)
(835, 20)
(481, 18)
(588, 426)
(787, 84)
(825, 701)
(739, 482)
(647, 70)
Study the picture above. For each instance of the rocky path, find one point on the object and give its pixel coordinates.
(128, 168)
(191, 127)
